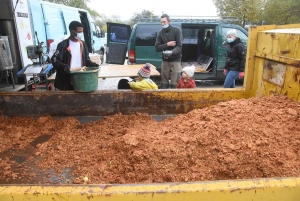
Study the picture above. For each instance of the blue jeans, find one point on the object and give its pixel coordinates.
(230, 79)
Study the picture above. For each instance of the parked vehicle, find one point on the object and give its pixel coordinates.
(20, 20)
(139, 43)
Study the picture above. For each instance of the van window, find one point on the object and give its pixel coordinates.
(119, 33)
(190, 35)
(146, 34)
(240, 34)
(93, 28)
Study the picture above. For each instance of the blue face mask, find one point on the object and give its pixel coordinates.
(165, 26)
(229, 40)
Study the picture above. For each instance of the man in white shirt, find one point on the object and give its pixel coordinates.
(70, 53)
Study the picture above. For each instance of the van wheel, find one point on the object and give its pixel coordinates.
(101, 56)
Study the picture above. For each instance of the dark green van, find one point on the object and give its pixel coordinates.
(137, 44)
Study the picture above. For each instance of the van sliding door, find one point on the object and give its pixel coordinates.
(117, 42)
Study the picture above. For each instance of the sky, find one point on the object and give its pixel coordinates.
(126, 8)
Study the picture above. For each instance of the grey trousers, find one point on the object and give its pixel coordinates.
(168, 69)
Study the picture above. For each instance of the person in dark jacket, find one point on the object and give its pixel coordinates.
(70, 53)
(235, 60)
(169, 42)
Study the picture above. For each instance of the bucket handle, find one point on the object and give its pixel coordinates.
(3, 46)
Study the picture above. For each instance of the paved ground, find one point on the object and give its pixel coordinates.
(109, 83)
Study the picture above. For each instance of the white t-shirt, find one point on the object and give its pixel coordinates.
(76, 56)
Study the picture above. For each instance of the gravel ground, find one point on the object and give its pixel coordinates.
(109, 83)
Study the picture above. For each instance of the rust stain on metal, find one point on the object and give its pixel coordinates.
(285, 51)
(297, 76)
(273, 36)
(243, 189)
(296, 63)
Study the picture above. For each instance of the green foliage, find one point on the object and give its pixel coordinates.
(94, 14)
(138, 16)
(282, 12)
(101, 22)
(245, 10)
(74, 3)
(269, 11)
(78, 4)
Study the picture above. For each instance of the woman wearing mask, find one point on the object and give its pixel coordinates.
(235, 60)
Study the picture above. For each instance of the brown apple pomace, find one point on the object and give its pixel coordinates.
(238, 139)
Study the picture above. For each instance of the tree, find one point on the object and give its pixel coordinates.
(78, 4)
(74, 3)
(142, 15)
(282, 12)
(101, 22)
(244, 10)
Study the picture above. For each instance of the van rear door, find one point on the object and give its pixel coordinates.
(117, 42)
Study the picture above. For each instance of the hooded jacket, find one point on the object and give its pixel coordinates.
(62, 58)
(166, 35)
(236, 56)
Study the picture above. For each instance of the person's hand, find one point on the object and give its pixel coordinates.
(171, 43)
(67, 69)
(241, 74)
(167, 53)
(225, 71)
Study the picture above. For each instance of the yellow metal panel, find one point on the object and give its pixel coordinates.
(285, 43)
(280, 46)
(289, 88)
(251, 76)
(200, 98)
(287, 189)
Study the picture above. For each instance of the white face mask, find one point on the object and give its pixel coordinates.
(165, 26)
(230, 40)
(79, 36)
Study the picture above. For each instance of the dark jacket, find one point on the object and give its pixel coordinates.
(166, 35)
(236, 56)
(62, 58)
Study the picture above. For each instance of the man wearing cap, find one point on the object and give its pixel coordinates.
(169, 42)
(143, 83)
